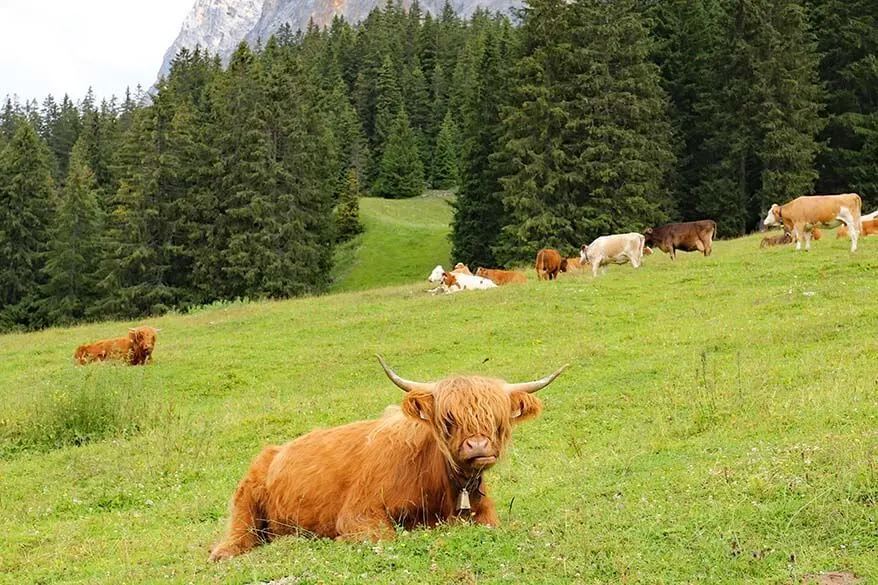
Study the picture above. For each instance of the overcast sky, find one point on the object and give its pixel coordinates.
(65, 46)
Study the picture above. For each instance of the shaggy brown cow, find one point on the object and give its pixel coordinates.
(870, 226)
(501, 277)
(418, 465)
(784, 238)
(688, 237)
(135, 349)
(549, 263)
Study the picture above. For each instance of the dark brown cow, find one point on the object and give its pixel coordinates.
(549, 263)
(688, 237)
(135, 349)
(418, 465)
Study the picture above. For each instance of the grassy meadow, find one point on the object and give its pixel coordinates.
(718, 424)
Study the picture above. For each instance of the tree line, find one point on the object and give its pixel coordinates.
(557, 123)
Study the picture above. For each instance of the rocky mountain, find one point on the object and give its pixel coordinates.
(215, 25)
(219, 25)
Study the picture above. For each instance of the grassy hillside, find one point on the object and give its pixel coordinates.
(719, 424)
(403, 241)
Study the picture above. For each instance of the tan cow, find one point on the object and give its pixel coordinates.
(870, 226)
(501, 277)
(802, 214)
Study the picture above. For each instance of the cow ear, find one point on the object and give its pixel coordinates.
(418, 405)
(524, 406)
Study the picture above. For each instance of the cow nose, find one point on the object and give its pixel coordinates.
(477, 444)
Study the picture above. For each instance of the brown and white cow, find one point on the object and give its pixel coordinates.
(549, 263)
(870, 226)
(686, 236)
(803, 213)
(419, 465)
(614, 249)
(501, 277)
(135, 349)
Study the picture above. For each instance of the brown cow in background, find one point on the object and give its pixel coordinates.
(501, 277)
(549, 263)
(870, 226)
(784, 238)
(687, 236)
(135, 349)
(418, 465)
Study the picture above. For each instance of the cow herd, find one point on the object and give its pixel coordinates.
(799, 219)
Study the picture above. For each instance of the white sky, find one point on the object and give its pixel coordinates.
(65, 46)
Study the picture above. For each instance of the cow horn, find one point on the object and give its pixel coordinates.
(531, 387)
(406, 385)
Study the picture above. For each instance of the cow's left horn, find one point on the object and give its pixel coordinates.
(531, 387)
(406, 385)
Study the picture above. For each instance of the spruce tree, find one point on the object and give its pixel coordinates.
(74, 255)
(478, 208)
(27, 197)
(388, 104)
(446, 160)
(347, 212)
(401, 173)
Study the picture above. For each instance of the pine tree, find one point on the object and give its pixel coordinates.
(26, 199)
(401, 173)
(347, 212)
(847, 38)
(388, 104)
(478, 209)
(74, 254)
(446, 161)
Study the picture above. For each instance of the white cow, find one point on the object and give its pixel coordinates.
(615, 249)
(438, 275)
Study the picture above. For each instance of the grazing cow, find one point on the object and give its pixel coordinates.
(870, 226)
(135, 349)
(615, 249)
(687, 236)
(802, 214)
(501, 277)
(418, 465)
(452, 282)
(784, 238)
(549, 263)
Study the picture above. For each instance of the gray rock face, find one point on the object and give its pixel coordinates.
(219, 25)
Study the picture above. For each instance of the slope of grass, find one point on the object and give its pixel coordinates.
(403, 241)
(719, 424)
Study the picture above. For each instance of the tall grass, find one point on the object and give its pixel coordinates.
(74, 412)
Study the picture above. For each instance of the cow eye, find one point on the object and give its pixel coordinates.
(448, 423)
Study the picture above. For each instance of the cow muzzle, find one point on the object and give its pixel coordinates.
(478, 452)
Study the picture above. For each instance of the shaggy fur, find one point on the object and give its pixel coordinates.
(361, 480)
(135, 349)
(549, 263)
(501, 277)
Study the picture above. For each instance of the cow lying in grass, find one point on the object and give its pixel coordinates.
(501, 277)
(452, 282)
(419, 465)
(784, 238)
(135, 349)
(438, 275)
(870, 226)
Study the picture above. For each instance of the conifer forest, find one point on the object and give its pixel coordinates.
(554, 124)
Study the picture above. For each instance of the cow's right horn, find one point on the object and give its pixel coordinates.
(406, 385)
(531, 387)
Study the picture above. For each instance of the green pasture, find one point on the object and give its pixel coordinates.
(718, 424)
(403, 241)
